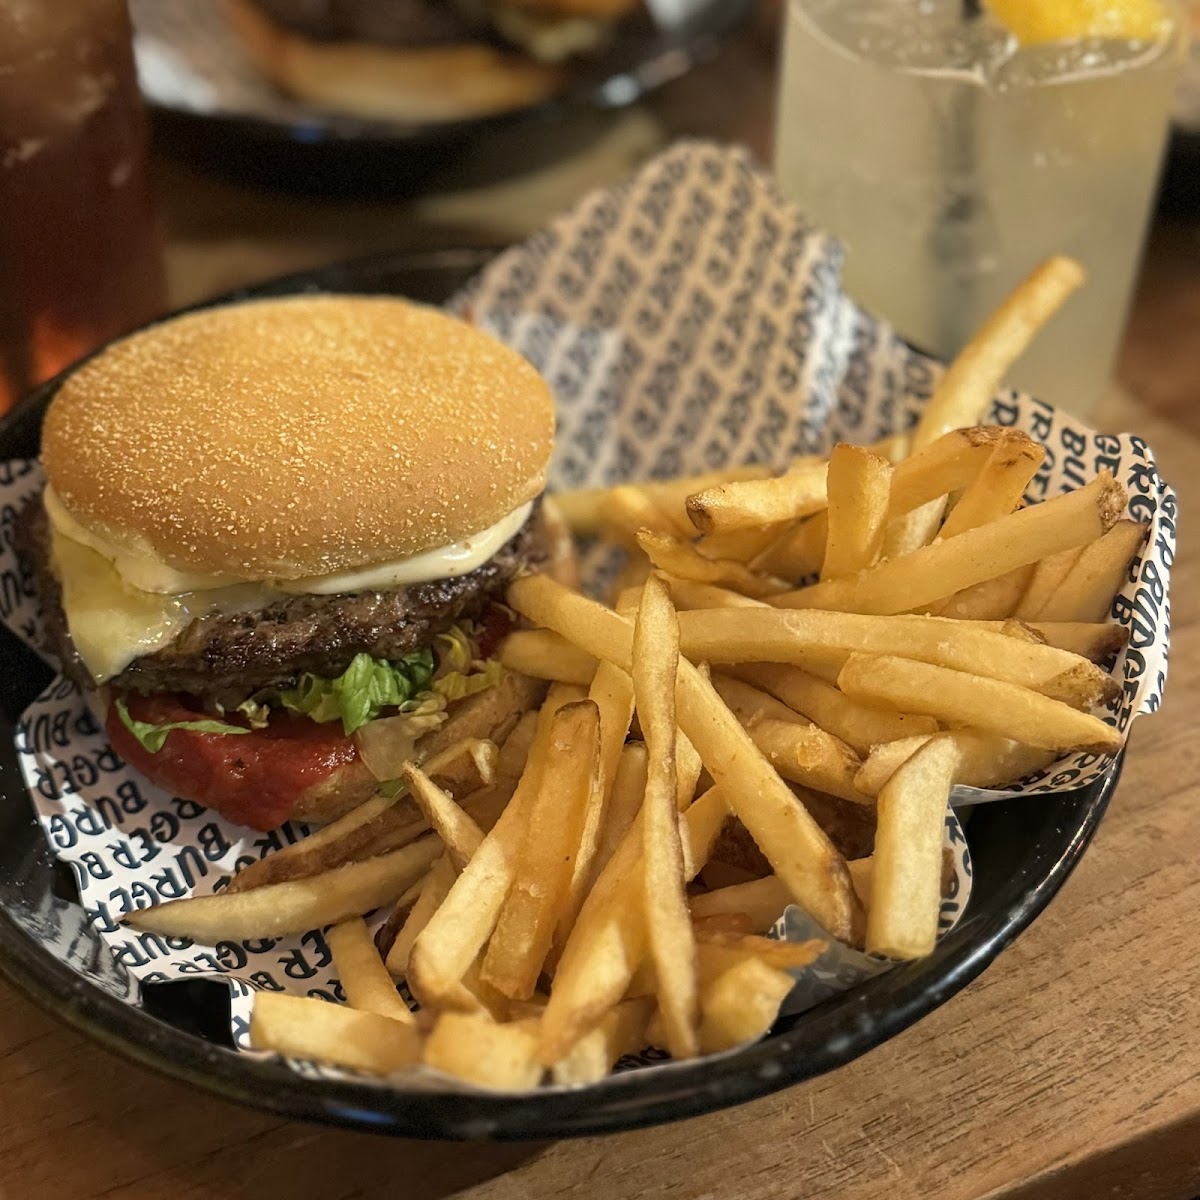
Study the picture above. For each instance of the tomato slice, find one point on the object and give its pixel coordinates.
(254, 778)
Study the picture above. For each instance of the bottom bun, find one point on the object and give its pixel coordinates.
(428, 83)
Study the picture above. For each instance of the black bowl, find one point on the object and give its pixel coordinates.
(1022, 852)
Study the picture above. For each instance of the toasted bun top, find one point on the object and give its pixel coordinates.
(280, 439)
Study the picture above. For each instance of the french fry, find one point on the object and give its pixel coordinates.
(438, 883)
(739, 544)
(987, 601)
(278, 909)
(739, 1004)
(861, 870)
(1093, 641)
(967, 387)
(799, 851)
(622, 1030)
(385, 936)
(808, 755)
(730, 922)
(365, 979)
(752, 705)
(687, 593)
(612, 693)
(633, 574)
(544, 655)
(608, 942)
(625, 802)
(798, 551)
(1086, 594)
(688, 769)
(563, 561)
(985, 761)
(580, 509)
(298, 1027)
(761, 900)
(947, 464)
(906, 874)
(448, 945)
(963, 700)
(514, 754)
(472, 1047)
(542, 875)
(1048, 575)
(798, 493)
(943, 568)
(627, 508)
(678, 558)
(668, 927)
(859, 483)
(859, 725)
(460, 835)
(784, 956)
(779, 636)
(997, 489)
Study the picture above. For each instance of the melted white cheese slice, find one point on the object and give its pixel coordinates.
(114, 618)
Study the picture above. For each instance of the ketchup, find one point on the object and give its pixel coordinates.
(253, 778)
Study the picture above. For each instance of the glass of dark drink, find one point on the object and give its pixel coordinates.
(80, 258)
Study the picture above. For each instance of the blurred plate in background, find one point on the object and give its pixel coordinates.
(211, 106)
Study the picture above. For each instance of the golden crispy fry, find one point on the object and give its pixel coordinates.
(861, 872)
(985, 761)
(906, 873)
(762, 901)
(387, 933)
(437, 884)
(800, 852)
(473, 1047)
(993, 599)
(622, 1030)
(544, 655)
(943, 568)
(624, 804)
(859, 725)
(668, 927)
(947, 464)
(365, 979)
(457, 931)
(632, 575)
(1048, 575)
(971, 701)
(678, 558)
(739, 544)
(967, 387)
(997, 489)
(884, 759)
(525, 926)
(807, 755)
(580, 510)
(1086, 594)
(859, 484)
(784, 956)
(510, 762)
(799, 551)
(459, 833)
(723, 635)
(727, 922)
(799, 492)
(687, 593)
(315, 1029)
(1091, 640)
(612, 693)
(627, 508)
(740, 998)
(294, 907)
(688, 769)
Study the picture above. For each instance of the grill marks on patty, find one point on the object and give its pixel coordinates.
(272, 646)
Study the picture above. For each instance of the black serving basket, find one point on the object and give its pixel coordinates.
(1022, 852)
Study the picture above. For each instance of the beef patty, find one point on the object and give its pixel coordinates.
(237, 653)
(386, 22)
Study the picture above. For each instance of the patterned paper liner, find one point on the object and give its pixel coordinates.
(686, 319)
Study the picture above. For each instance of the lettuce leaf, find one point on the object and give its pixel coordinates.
(363, 690)
(153, 736)
(457, 684)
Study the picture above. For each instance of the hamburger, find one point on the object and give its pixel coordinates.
(420, 60)
(274, 541)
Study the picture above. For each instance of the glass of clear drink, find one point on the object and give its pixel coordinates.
(951, 158)
(80, 258)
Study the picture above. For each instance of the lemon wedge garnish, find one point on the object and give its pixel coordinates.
(1034, 22)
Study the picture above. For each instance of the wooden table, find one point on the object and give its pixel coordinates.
(1071, 1069)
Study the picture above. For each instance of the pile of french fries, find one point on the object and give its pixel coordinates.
(793, 674)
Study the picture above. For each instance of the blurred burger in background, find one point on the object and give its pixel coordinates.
(422, 60)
